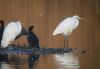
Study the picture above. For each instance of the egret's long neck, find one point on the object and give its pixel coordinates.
(76, 23)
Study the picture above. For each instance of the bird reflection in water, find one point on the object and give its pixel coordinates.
(5, 66)
(32, 59)
(67, 61)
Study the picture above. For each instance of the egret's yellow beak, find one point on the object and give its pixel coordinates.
(22, 23)
(82, 18)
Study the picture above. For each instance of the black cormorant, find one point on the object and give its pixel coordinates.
(1, 29)
(32, 38)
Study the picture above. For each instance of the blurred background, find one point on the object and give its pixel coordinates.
(46, 15)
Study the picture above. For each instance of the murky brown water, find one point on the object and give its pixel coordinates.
(72, 60)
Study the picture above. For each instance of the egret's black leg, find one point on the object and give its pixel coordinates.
(66, 40)
(9, 55)
(10, 49)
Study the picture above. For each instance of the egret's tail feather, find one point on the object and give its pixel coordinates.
(53, 34)
(4, 44)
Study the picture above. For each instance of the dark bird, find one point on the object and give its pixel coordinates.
(3, 58)
(32, 38)
(23, 32)
(1, 29)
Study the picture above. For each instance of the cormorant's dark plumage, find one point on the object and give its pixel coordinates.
(32, 38)
(2, 57)
(1, 29)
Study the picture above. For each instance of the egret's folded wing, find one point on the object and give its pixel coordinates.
(62, 26)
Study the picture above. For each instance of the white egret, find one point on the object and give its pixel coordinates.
(11, 31)
(66, 27)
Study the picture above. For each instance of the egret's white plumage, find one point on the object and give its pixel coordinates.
(11, 31)
(67, 26)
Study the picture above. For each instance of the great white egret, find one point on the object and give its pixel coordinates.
(32, 38)
(23, 31)
(11, 31)
(66, 27)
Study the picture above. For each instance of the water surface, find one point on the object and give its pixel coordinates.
(36, 61)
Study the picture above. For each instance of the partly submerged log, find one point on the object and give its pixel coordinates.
(27, 50)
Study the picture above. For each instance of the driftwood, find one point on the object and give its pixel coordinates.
(28, 50)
